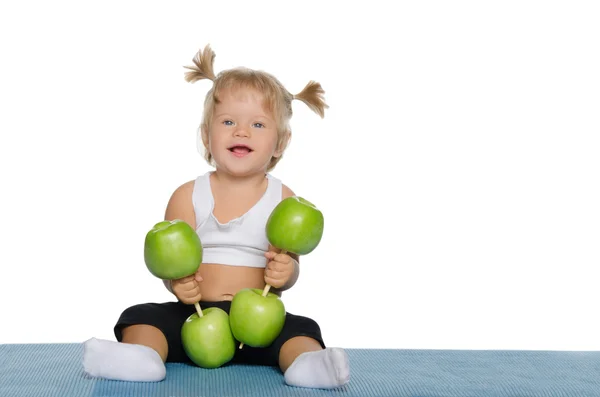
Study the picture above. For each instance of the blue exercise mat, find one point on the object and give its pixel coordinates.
(55, 370)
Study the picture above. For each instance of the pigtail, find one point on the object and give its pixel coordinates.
(312, 96)
(203, 68)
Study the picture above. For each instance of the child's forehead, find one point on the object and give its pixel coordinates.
(244, 94)
(240, 93)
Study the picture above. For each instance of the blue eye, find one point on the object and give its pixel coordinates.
(258, 125)
(228, 122)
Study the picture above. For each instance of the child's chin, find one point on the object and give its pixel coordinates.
(240, 171)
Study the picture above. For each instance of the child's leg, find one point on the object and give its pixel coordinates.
(147, 335)
(294, 347)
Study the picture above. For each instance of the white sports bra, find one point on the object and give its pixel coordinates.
(241, 241)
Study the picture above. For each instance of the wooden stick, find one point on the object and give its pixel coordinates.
(197, 305)
(265, 291)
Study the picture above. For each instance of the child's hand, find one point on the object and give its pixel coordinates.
(280, 268)
(187, 289)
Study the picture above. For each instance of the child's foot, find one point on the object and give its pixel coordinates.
(122, 361)
(323, 369)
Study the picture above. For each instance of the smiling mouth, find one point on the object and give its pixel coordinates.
(240, 149)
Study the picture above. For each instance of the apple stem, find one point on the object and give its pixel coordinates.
(197, 305)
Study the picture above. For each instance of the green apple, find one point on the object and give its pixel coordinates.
(295, 225)
(208, 340)
(256, 320)
(172, 250)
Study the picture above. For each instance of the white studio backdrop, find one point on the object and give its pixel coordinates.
(458, 166)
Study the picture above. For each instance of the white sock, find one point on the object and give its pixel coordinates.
(122, 361)
(323, 369)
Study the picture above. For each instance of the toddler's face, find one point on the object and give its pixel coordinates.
(243, 135)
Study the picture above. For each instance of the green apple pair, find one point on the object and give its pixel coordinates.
(173, 250)
(209, 340)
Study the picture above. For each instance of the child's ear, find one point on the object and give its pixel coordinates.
(283, 144)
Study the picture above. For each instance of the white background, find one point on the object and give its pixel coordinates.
(458, 167)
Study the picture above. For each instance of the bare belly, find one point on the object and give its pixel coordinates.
(221, 282)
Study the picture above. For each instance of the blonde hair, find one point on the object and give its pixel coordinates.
(276, 97)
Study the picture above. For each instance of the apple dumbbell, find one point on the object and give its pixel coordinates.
(295, 225)
(173, 250)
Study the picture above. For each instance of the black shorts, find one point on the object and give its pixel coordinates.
(170, 316)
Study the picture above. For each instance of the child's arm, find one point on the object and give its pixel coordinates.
(180, 206)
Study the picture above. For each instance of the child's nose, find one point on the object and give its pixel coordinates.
(241, 131)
